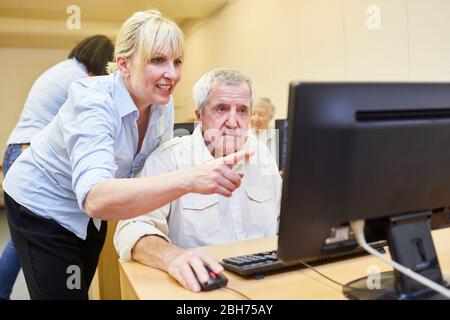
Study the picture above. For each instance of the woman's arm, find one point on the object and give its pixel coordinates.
(120, 199)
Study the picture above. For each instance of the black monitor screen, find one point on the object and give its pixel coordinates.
(371, 151)
(281, 125)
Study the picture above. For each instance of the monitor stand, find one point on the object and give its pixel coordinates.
(411, 245)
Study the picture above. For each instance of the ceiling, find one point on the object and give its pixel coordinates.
(42, 23)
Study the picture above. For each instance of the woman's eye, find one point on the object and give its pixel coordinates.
(157, 60)
(178, 62)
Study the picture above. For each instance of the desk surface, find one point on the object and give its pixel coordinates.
(142, 282)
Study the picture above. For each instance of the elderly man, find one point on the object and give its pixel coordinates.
(166, 238)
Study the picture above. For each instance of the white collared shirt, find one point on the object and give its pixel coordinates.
(197, 220)
(270, 138)
(47, 95)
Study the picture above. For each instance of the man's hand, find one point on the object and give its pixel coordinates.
(218, 176)
(188, 265)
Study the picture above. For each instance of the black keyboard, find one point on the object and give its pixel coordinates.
(262, 262)
(254, 263)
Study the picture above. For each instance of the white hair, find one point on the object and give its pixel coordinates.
(265, 103)
(203, 86)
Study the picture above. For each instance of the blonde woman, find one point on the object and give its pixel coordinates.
(75, 175)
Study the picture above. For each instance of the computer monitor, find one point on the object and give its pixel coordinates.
(373, 151)
(281, 125)
(183, 129)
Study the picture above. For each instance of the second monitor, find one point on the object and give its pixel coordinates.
(183, 129)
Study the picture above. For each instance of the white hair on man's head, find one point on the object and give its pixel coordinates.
(227, 76)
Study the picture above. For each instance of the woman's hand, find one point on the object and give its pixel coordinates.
(218, 176)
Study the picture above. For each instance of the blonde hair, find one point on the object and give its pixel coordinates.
(265, 103)
(201, 89)
(147, 33)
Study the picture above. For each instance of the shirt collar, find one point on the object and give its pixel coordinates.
(157, 112)
(267, 134)
(200, 151)
(80, 65)
(122, 98)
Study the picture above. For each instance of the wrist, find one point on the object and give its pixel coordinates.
(187, 181)
(169, 255)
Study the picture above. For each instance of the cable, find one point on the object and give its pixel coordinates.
(238, 292)
(337, 282)
(358, 229)
(320, 273)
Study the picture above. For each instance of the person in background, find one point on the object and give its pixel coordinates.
(167, 238)
(262, 115)
(47, 95)
(79, 171)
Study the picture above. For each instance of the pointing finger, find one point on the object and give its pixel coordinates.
(234, 159)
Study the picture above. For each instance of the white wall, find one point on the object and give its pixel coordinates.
(20, 68)
(250, 36)
(278, 41)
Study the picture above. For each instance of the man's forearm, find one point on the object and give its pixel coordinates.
(154, 251)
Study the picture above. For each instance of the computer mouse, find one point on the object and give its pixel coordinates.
(215, 281)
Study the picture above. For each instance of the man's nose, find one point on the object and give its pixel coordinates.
(232, 119)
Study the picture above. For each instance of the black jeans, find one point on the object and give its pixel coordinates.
(56, 263)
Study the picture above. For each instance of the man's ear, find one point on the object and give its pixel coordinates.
(198, 116)
(123, 65)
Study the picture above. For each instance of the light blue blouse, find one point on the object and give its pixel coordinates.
(93, 137)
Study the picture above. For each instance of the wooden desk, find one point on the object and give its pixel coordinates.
(142, 282)
(106, 284)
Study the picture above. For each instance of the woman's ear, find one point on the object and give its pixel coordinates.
(123, 66)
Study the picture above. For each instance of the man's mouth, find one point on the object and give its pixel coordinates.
(230, 135)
